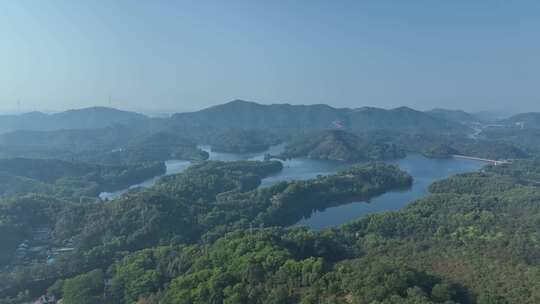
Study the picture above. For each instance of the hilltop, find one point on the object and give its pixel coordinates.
(458, 116)
(239, 114)
(87, 118)
(341, 146)
(530, 120)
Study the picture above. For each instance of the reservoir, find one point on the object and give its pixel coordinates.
(172, 167)
(423, 170)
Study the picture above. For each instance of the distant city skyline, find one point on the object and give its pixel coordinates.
(165, 57)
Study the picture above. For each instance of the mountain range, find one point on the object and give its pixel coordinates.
(88, 118)
(239, 114)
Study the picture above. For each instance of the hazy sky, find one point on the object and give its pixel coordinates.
(185, 55)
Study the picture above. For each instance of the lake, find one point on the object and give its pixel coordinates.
(424, 171)
(172, 167)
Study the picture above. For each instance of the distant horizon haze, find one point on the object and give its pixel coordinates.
(161, 56)
(168, 112)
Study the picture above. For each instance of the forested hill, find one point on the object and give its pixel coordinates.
(529, 120)
(242, 141)
(341, 146)
(203, 203)
(240, 114)
(458, 116)
(111, 145)
(88, 118)
(70, 180)
(195, 239)
(402, 119)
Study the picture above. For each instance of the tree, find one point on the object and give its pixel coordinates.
(84, 289)
(442, 292)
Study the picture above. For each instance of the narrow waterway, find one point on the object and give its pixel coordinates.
(424, 171)
(172, 167)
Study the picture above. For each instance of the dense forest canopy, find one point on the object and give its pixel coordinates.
(482, 253)
(458, 116)
(444, 146)
(71, 180)
(117, 145)
(89, 118)
(341, 146)
(242, 141)
(215, 233)
(286, 118)
(203, 203)
(241, 126)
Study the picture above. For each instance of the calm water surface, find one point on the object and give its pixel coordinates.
(424, 171)
(173, 167)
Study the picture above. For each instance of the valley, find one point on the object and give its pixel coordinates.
(85, 204)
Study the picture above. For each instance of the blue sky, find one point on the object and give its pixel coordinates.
(185, 55)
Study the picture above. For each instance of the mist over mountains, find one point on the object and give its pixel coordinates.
(110, 186)
(108, 136)
(88, 118)
(239, 114)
